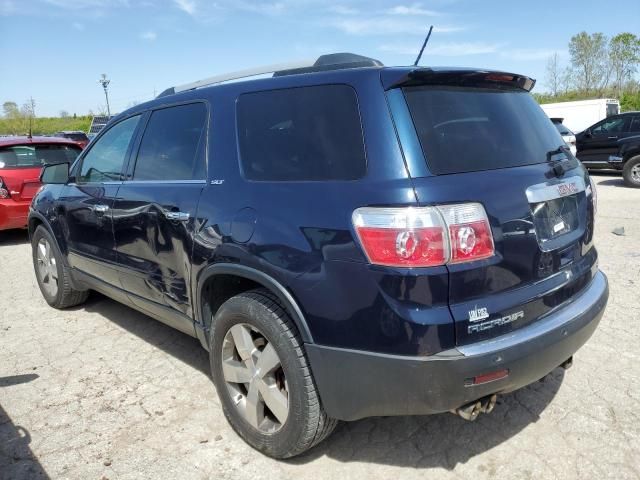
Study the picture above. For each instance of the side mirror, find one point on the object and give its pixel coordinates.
(587, 133)
(57, 173)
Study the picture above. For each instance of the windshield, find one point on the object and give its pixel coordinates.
(30, 156)
(470, 129)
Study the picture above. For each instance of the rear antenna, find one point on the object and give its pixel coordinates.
(415, 64)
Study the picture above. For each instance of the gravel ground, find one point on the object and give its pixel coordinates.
(103, 392)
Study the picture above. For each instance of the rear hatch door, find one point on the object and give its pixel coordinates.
(495, 146)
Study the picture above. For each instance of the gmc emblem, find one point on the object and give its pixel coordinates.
(565, 189)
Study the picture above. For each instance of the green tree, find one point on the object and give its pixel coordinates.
(624, 56)
(10, 110)
(554, 74)
(589, 57)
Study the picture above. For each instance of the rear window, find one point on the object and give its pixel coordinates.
(76, 137)
(471, 129)
(301, 134)
(25, 156)
(562, 129)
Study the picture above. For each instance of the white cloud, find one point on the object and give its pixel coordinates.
(78, 26)
(415, 9)
(343, 10)
(188, 6)
(451, 49)
(7, 7)
(261, 7)
(388, 26)
(149, 36)
(529, 54)
(86, 4)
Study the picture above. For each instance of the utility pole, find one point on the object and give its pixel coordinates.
(104, 81)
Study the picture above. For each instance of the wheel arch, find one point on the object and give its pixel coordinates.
(258, 279)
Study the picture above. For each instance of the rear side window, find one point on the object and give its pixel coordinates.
(471, 129)
(170, 145)
(635, 124)
(301, 134)
(29, 156)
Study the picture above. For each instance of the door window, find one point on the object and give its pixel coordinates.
(635, 124)
(103, 163)
(170, 145)
(613, 125)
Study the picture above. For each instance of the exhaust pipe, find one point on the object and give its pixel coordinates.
(470, 411)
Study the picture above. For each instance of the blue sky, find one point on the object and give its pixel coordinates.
(59, 48)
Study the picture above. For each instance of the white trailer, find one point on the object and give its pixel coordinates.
(582, 114)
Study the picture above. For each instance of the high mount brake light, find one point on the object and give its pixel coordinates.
(424, 236)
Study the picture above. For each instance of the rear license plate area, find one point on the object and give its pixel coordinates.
(556, 217)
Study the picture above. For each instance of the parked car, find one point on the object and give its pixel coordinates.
(346, 240)
(613, 143)
(77, 136)
(567, 135)
(21, 161)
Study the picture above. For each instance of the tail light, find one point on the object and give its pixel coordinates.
(469, 232)
(424, 236)
(4, 192)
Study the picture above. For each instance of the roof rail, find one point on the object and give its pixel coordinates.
(332, 61)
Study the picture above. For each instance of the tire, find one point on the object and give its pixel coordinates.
(306, 423)
(631, 172)
(64, 295)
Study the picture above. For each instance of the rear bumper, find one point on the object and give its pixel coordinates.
(356, 384)
(13, 214)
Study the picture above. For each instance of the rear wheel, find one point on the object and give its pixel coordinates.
(52, 275)
(263, 379)
(631, 172)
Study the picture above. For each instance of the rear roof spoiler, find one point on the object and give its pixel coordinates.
(461, 77)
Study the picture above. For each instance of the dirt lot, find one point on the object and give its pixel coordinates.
(104, 392)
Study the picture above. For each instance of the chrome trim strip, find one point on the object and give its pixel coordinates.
(168, 182)
(553, 189)
(554, 321)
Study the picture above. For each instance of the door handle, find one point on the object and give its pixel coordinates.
(612, 138)
(100, 208)
(176, 216)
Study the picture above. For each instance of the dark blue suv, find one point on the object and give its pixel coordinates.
(346, 240)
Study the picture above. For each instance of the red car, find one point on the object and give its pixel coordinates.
(21, 160)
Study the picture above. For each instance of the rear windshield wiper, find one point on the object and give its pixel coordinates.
(560, 167)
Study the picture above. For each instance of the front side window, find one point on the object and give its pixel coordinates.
(36, 155)
(170, 145)
(301, 134)
(614, 125)
(104, 162)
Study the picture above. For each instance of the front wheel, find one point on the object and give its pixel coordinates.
(52, 274)
(263, 378)
(631, 172)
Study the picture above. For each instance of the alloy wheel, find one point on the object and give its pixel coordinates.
(47, 268)
(255, 379)
(635, 173)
